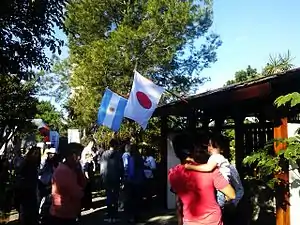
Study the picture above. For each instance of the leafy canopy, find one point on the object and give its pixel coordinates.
(108, 38)
(277, 64)
(55, 82)
(26, 30)
(49, 114)
(18, 106)
(244, 75)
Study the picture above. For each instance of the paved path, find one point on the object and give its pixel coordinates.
(150, 217)
(96, 216)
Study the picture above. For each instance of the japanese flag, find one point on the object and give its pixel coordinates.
(143, 100)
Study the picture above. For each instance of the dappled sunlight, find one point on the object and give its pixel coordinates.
(90, 211)
(161, 218)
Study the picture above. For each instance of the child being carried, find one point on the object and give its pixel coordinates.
(216, 160)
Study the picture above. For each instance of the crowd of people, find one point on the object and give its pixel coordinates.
(206, 185)
(53, 188)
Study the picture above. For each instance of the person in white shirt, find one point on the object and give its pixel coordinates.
(125, 158)
(216, 160)
(149, 170)
(150, 166)
(87, 155)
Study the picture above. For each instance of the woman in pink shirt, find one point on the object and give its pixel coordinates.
(196, 190)
(67, 191)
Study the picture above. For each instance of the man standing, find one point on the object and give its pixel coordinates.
(112, 171)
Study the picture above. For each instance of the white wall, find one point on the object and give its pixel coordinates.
(172, 161)
(294, 177)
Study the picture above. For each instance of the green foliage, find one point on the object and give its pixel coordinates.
(132, 131)
(53, 118)
(267, 164)
(244, 75)
(108, 38)
(277, 64)
(291, 99)
(18, 106)
(230, 134)
(26, 30)
(55, 83)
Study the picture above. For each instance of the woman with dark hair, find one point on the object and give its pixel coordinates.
(67, 188)
(216, 144)
(195, 191)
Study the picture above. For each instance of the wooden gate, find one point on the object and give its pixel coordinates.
(256, 136)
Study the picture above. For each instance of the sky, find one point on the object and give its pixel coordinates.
(250, 30)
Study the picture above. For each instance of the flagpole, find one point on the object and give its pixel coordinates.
(170, 92)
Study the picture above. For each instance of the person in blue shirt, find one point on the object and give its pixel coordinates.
(134, 184)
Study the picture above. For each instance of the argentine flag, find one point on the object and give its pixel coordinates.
(111, 111)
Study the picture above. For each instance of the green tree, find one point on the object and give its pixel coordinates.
(244, 75)
(55, 82)
(26, 31)
(50, 115)
(107, 39)
(279, 63)
(18, 107)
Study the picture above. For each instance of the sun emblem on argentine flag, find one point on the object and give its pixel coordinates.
(112, 109)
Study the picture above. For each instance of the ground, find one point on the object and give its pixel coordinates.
(154, 215)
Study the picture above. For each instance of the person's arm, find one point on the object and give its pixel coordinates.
(86, 169)
(152, 163)
(125, 162)
(208, 167)
(121, 167)
(179, 211)
(229, 192)
(221, 184)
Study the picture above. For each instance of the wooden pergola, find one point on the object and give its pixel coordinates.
(236, 102)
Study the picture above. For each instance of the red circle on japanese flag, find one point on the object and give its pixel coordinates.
(144, 100)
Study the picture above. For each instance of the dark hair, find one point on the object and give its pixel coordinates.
(73, 148)
(219, 141)
(137, 157)
(148, 151)
(113, 143)
(200, 150)
(183, 146)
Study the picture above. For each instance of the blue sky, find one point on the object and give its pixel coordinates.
(251, 30)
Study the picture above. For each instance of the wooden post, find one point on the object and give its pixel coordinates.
(192, 121)
(219, 122)
(239, 143)
(282, 209)
(204, 121)
(164, 161)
